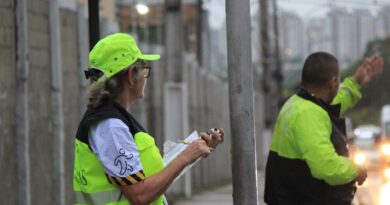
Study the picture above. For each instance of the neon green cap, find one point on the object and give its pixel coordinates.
(116, 52)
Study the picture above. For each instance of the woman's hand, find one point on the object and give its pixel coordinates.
(214, 138)
(197, 148)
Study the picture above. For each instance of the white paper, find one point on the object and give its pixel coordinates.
(173, 149)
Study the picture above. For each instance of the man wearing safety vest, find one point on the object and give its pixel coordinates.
(116, 160)
(308, 162)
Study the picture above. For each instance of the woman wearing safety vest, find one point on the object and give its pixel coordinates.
(116, 160)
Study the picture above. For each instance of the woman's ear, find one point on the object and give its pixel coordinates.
(132, 76)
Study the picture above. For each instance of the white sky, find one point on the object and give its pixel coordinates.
(305, 8)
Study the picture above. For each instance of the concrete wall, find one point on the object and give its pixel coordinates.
(8, 163)
(70, 95)
(39, 100)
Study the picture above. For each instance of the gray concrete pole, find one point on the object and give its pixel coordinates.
(22, 120)
(58, 175)
(174, 41)
(278, 74)
(266, 59)
(134, 20)
(240, 76)
(82, 33)
(175, 90)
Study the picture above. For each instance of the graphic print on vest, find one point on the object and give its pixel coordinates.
(81, 178)
(122, 161)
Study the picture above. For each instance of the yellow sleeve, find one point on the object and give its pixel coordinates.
(348, 95)
(313, 129)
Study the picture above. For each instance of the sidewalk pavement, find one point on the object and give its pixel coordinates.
(220, 195)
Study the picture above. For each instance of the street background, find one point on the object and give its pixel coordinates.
(44, 48)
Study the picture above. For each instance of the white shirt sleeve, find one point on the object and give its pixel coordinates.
(116, 149)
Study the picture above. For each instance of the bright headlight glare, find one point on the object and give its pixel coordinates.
(359, 158)
(386, 149)
(387, 173)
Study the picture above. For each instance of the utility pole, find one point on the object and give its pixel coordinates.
(22, 108)
(174, 40)
(175, 90)
(240, 76)
(94, 22)
(267, 64)
(200, 33)
(58, 175)
(277, 76)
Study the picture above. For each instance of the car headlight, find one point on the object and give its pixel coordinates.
(387, 173)
(386, 149)
(359, 158)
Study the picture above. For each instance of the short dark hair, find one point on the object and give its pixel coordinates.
(318, 69)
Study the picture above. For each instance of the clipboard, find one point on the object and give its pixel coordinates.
(173, 149)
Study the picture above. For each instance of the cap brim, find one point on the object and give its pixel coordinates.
(150, 57)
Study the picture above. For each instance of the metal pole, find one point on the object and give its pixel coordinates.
(58, 175)
(240, 78)
(94, 22)
(22, 66)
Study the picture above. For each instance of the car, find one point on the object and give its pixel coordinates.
(364, 148)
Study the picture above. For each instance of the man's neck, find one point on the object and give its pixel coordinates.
(321, 94)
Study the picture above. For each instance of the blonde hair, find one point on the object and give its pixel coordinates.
(99, 93)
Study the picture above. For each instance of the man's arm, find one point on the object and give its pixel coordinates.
(348, 95)
(312, 130)
(349, 92)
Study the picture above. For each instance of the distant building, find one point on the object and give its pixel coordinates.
(365, 30)
(319, 36)
(342, 28)
(291, 40)
(291, 34)
(345, 34)
(383, 22)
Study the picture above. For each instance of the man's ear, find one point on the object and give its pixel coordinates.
(335, 81)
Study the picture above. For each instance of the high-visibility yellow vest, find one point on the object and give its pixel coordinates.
(90, 182)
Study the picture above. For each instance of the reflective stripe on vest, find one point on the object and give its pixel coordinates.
(101, 198)
(90, 182)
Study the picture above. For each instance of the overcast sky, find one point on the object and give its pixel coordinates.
(305, 8)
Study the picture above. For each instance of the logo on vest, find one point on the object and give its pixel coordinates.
(122, 161)
(80, 177)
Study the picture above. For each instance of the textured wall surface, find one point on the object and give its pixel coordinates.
(8, 163)
(70, 95)
(39, 100)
